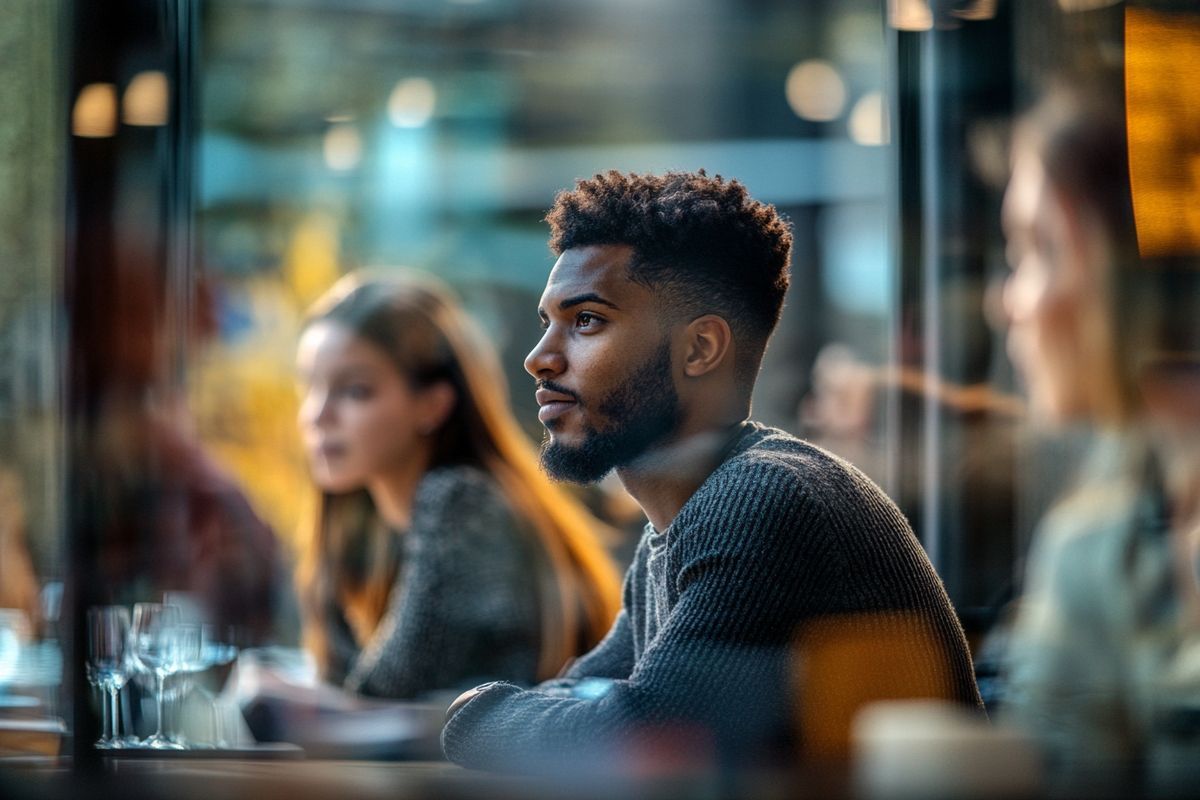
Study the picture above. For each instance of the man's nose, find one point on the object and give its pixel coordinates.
(545, 359)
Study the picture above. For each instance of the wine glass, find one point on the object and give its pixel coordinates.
(155, 637)
(216, 662)
(186, 660)
(108, 635)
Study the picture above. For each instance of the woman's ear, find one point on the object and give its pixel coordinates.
(437, 404)
(709, 345)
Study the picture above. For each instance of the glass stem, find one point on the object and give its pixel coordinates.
(159, 732)
(104, 735)
(115, 694)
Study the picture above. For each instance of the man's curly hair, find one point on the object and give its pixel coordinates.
(701, 242)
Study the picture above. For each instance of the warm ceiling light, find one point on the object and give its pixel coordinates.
(411, 103)
(145, 101)
(343, 147)
(815, 91)
(910, 15)
(868, 122)
(95, 113)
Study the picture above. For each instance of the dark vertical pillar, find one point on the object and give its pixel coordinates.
(88, 279)
(128, 226)
(947, 81)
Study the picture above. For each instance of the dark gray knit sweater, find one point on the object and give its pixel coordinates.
(465, 605)
(780, 535)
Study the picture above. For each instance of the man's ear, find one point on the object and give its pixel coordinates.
(709, 344)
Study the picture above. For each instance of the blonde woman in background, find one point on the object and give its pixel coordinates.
(1105, 642)
(440, 554)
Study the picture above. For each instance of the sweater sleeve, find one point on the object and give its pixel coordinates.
(717, 665)
(462, 608)
(611, 658)
(614, 656)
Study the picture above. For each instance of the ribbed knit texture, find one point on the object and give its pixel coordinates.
(780, 536)
(464, 607)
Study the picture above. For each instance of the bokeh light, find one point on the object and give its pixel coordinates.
(868, 124)
(146, 99)
(815, 91)
(411, 103)
(95, 113)
(343, 147)
(910, 15)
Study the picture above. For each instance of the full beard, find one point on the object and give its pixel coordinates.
(644, 410)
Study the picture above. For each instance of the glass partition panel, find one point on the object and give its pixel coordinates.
(33, 560)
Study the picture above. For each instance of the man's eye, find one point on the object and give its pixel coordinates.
(357, 391)
(586, 319)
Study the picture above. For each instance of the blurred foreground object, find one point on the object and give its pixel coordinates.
(31, 737)
(1108, 341)
(932, 749)
(277, 691)
(844, 663)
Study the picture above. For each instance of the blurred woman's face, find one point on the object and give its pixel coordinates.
(360, 419)
(1048, 295)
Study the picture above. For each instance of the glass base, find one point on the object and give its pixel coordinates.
(157, 742)
(123, 743)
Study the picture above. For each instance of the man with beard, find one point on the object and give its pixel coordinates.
(763, 555)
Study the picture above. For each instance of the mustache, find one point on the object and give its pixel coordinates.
(551, 386)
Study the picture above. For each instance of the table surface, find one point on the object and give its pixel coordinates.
(218, 779)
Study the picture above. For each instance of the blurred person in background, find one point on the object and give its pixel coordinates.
(169, 517)
(656, 317)
(440, 555)
(848, 410)
(19, 589)
(1106, 630)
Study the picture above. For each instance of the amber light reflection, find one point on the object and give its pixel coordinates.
(843, 663)
(1162, 86)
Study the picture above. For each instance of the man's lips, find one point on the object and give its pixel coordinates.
(552, 404)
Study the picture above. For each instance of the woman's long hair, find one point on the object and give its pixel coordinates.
(347, 562)
(1146, 306)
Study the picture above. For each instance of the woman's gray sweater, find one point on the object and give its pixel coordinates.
(782, 544)
(465, 605)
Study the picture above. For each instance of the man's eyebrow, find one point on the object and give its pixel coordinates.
(588, 297)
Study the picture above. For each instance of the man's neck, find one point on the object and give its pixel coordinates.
(662, 480)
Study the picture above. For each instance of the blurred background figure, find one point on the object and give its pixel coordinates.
(846, 411)
(440, 555)
(169, 518)
(19, 588)
(1101, 652)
